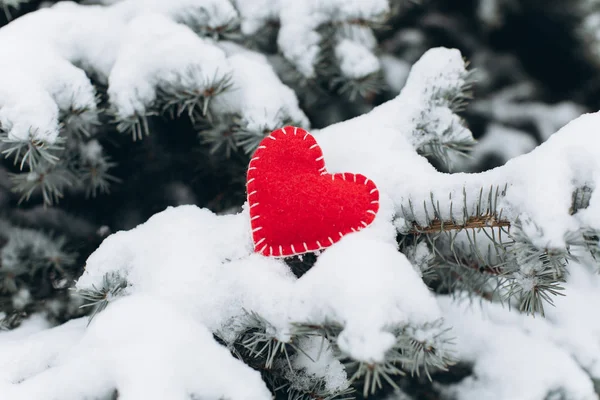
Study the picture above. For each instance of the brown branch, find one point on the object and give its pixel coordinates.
(476, 222)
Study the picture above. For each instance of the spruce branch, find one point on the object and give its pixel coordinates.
(248, 139)
(193, 99)
(260, 342)
(136, 125)
(454, 140)
(219, 132)
(7, 5)
(92, 169)
(361, 87)
(31, 257)
(485, 215)
(50, 180)
(78, 122)
(31, 151)
(98, 298)
(11, 321)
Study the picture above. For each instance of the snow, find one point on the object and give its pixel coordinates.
(356, 61)
(185, 360)
(255, 14)
(511, 354)
(540, 183)
(191, 274)
(317, 360)
(157, 53)
(134, 45)
(365, 300)
(257, 94)
(298, 37)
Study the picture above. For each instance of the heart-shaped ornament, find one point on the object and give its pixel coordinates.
(296, 206)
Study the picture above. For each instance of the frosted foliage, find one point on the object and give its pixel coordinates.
(540, 183)
(184, 251)
(317, 361)
(299, 38)
(356, 61)
(516, 356)
(190, 273)
(185, 359)
(255, 14)
(179, 60)
(257, 94)
(136, 46)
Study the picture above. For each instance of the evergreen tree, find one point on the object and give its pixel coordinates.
(472, 282)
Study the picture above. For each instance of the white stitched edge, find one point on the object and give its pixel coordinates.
(250, 180)
(283, 130)
(293, 249)
(254, 205)
(319, 158)
(255, 217)
(257, 229)
(313, 146)
(372, 190)
(272, 137)
(259, 242)
(295, 129)
(305, 136)
(363, 223)
(372, 212)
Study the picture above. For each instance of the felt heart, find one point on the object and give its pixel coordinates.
(295, 205)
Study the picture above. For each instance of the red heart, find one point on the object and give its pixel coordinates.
(295, 205)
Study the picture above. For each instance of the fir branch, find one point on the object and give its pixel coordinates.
(30, 256)
(486, 213)
(79, 122)
(453, 141)
(249, 139)
(91, 169)
(260, 342)
(113, 286)
(31, 151)
(49, 180)
(7, 5)
(354, 88)
(136, 125)
(11, 321)
(194, 99)
(218, 132)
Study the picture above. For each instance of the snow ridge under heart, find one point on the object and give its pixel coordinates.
(295, 205)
